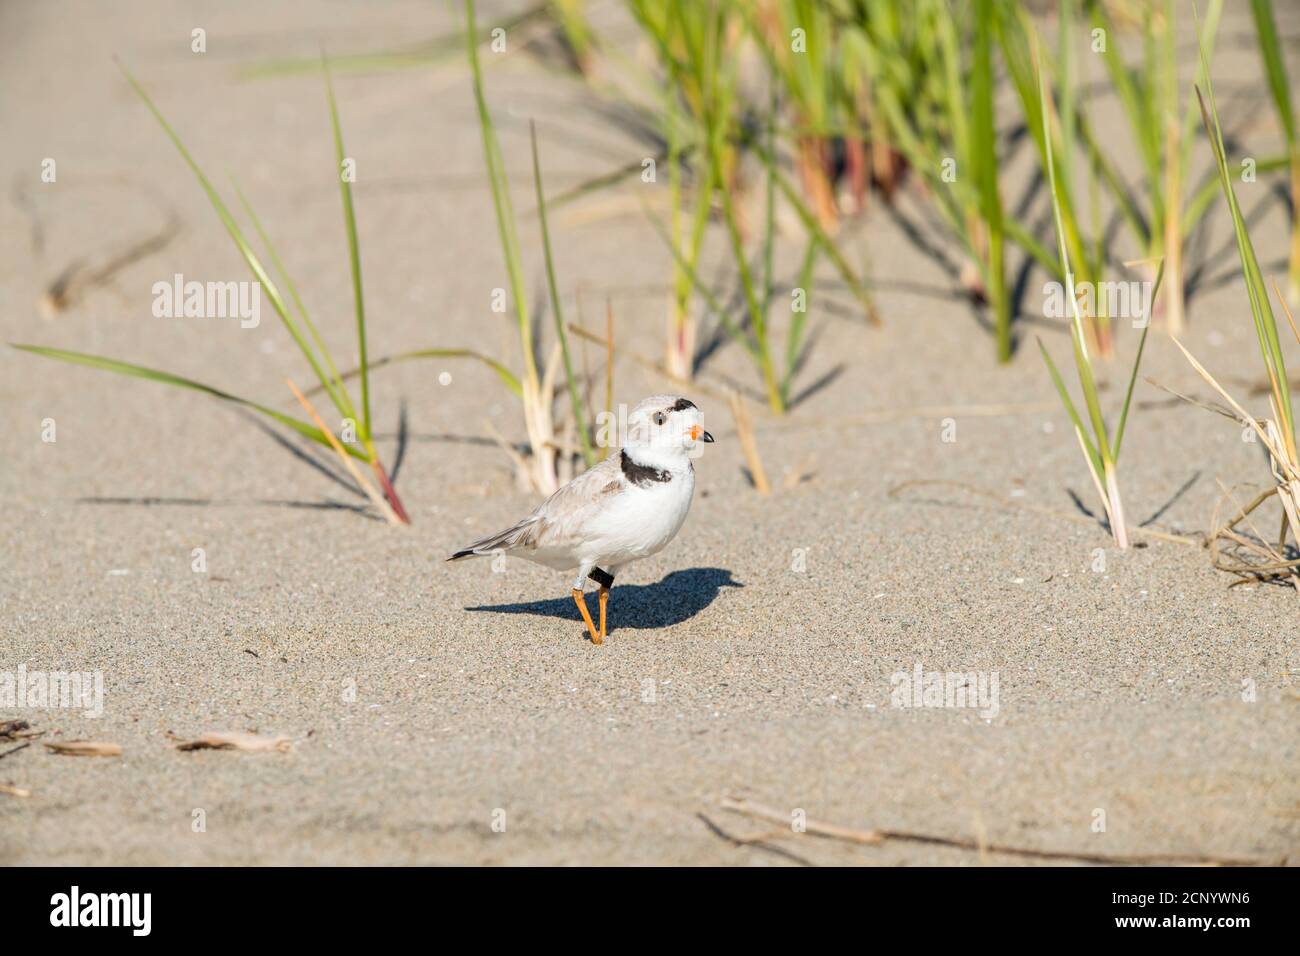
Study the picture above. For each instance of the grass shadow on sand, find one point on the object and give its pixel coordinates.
(678, 597)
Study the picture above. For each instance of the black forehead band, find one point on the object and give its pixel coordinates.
(682, 404)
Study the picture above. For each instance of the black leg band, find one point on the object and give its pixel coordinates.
(603, 578)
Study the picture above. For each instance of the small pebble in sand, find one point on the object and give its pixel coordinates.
(444, 378)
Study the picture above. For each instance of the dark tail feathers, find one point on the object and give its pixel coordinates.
(501, 541)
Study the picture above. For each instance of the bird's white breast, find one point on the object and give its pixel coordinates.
(642, 519)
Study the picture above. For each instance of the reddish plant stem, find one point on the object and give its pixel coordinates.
(390, 492)
(813, 166)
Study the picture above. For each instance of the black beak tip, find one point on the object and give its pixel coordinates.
(708, 437)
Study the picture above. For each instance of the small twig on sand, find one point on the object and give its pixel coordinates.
(14, 791)
(830, 830)
(14, 750)
(878, 836)
(757, 842)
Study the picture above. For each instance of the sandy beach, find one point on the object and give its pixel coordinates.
(453, 714)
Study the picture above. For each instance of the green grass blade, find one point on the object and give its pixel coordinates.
(794, 338)
(1029, 242)
(1118, 190)
(505, 213)
(1138, 103)
(1191, 115)
(1064, 54)
(984, 164)
(709, 298)
(1261, 310)
(814, 228)
(1082, 361)
(757, 317)
(1204, 196)
(354, 249)
(769, 207)
(236, 234)
(337, 393)
(1094, 459)
(177, 381)
(579, 420)
(1274, 66)
(1137, 361)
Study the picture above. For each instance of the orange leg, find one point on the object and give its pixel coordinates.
(586, 615)
(604, 600)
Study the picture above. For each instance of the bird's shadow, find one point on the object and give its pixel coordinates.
(678, 597)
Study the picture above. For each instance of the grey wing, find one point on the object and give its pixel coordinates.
(559, 520)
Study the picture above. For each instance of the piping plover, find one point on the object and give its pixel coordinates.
(627, 507)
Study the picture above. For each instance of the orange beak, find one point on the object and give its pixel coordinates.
(697, 433)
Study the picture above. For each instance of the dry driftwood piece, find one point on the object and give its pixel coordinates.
(875, 837)
(237, 740)
(84, 748)
(14, 791)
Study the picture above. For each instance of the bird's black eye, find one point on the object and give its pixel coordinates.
(660, 418)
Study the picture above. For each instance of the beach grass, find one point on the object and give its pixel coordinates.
(1277, 431)
(293, 317)
(1099, 443)
(1279, 85)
